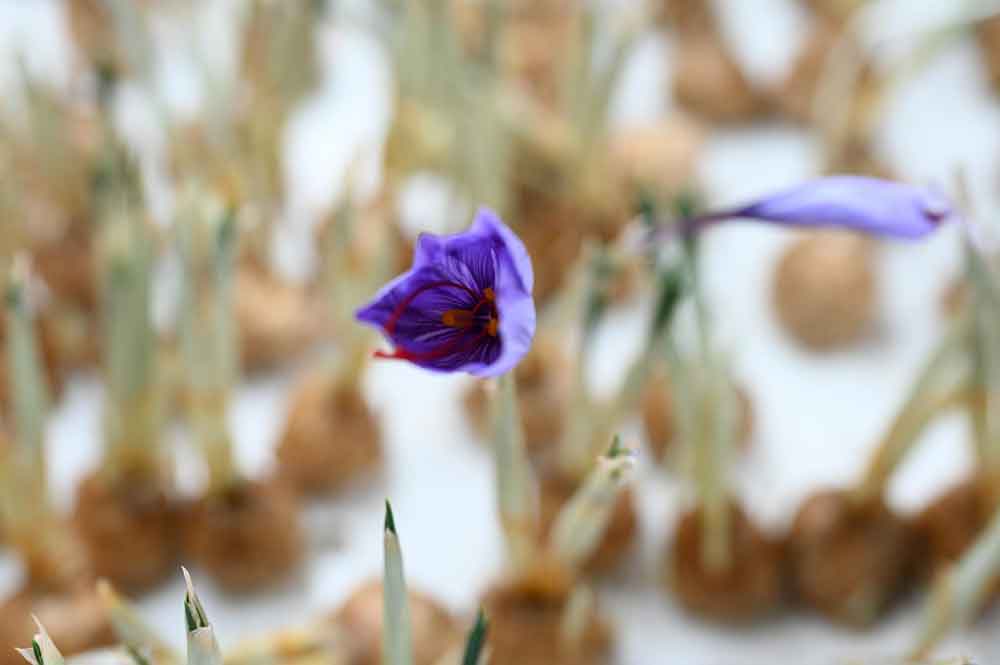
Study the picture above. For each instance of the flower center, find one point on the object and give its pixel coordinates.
(466, 318)
(483, 314)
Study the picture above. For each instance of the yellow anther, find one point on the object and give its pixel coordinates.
(457, 318)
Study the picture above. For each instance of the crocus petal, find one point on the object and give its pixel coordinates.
(517, 329)
(456, 272)
(870, 205)
(487, 224)
(515, 279)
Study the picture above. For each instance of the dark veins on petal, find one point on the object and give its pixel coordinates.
(448, 317)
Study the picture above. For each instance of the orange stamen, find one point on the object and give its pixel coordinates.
(458, 318)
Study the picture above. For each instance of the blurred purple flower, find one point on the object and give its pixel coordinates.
(464, 305)
(869, 205)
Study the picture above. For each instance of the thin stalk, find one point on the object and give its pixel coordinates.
(337, 239)
(44, 154)
(706, 405)
(206, 239)
(576, 451)
(359, 254)
(846, 59)
(516, 484)
(132, 33)
(671, 290)
(712, 452)
(581, 523)
(133, 406)
(590, 424)
(943, 383)
(27, 504)
(600, 85)
(397, 644)
(962, 590)
(985, 314)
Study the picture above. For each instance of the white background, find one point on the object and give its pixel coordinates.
(817, 417)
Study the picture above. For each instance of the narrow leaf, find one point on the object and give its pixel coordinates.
(516, 484)
(397, 646)
(582, 521)
(477, 639)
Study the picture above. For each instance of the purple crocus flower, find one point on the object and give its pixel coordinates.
(869, 205)
(465, 304)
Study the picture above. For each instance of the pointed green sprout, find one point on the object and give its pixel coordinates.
(476, 641)
(397, 646)
(194, 613)
(319, 639)
(206, 233)
(582, 521)
(517, 486)
(43, 650)
(25, 501)
(134, 634)
(132, 410)
(201, 644)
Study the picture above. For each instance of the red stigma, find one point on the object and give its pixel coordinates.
(453, 318)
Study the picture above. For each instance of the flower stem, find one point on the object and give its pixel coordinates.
(133, 407)
(961, 591)
(590, 425)
(706, 408)
(984, 310)
(580, 524)
(27, 509)
(712, 447)
(359, 253)
(516, 484)
(206, 233)
(944, 382)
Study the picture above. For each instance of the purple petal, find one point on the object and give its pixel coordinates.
(487, 224)
(870, 205)
(456, 272)
(515, 279)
